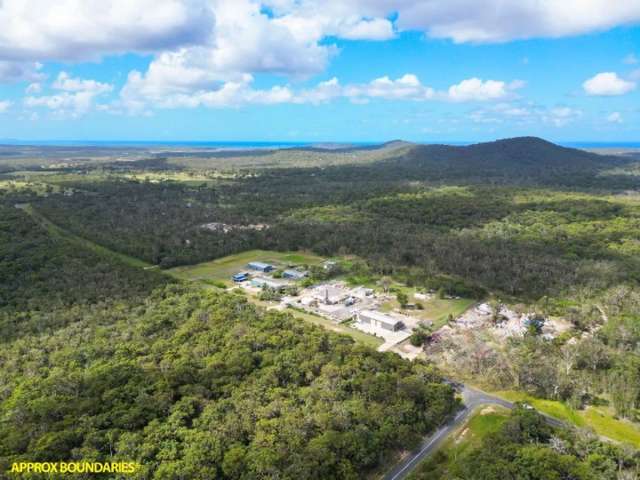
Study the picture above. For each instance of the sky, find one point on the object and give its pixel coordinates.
(319, 70)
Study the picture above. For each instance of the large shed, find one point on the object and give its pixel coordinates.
(380, 320)
(260, 266)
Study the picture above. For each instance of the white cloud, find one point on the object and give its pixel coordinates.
(407, 87)
(630, 59)
(209, 42)
(4, 105)
(475, 89)
(195, 89)
(136, 98)
(607, 84)
(614, 117)
(69, 84)
(367, 29)
(499, 20)
(41, 30)
(468, 20)
(76, 95)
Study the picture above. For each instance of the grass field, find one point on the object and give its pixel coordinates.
(221, 269)
(435, 309)
(439, 309)
(464, 440)
(600, 419)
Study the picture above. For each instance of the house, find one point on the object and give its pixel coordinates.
(241, 277)
(294, 274)
(380, 320)
(260, 266)
(261, 282)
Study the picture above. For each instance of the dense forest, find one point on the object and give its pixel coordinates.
(39, 271)
(102, 359)
(524, 240)
(194, 384)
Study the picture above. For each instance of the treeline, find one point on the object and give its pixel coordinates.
(195, 384)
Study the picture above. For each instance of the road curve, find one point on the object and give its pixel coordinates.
(472, 399)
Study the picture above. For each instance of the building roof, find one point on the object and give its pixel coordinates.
(260, 265)
(268, 282)
(380, 317)
(294, 273)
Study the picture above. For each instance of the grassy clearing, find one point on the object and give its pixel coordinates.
(59, 232)
(464, 440)
(436, 310)
(439, 309)
(222, 269)
(40, 188)
(186, 177)
(600, 419)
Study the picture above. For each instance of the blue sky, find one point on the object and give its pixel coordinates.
(335, 71)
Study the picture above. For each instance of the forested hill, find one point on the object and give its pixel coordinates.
(511, 152)
(510, 161)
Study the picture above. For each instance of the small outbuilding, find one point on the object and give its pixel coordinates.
(241, 277)
(294, 274)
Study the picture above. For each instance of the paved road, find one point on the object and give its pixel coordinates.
(472, 399)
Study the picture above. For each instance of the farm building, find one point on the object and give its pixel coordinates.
(380, 320)
(260, 266)
(294, 274)
(268, 282)
(241, 277)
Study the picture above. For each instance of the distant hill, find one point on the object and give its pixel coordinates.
(512, 152)
(521, 159)
(517, 161)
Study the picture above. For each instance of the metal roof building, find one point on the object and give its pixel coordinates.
(380, 320)
(267, 282)
(294, 274)
(260, 266)
(241, 277)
